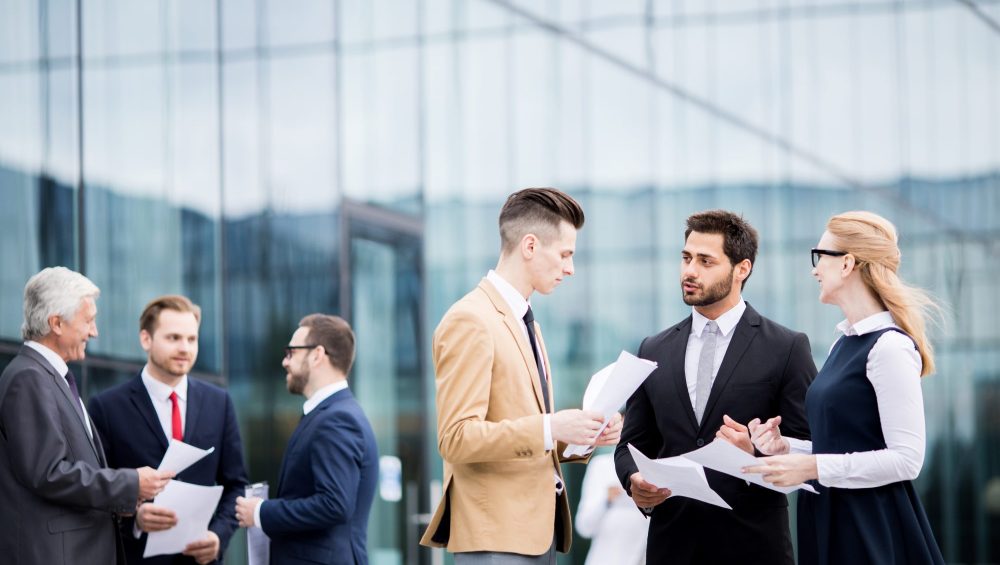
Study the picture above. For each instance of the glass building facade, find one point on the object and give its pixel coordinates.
(270, 159)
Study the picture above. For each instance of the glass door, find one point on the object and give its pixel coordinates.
(383, 301)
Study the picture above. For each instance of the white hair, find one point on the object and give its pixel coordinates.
(54, 291)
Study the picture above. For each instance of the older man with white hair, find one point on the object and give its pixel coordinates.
(60, 502)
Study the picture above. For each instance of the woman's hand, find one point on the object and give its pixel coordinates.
(786, 470)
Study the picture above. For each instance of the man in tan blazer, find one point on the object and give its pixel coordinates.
(504, 499)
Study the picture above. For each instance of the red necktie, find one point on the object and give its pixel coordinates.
(175, 419)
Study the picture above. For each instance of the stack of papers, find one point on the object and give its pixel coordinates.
(684, 474)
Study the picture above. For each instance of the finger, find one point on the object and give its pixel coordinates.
(733, 423)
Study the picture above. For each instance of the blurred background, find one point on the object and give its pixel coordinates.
(272, 158)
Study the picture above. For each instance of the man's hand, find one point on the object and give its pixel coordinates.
(786, 470)
(204, 550)
(646, 495)
(767, 436)
(153, 518)
(577, 427)
(735, 433)
(245, 508)
(612, 433)
(151, 482)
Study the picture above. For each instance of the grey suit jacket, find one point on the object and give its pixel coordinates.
(57, 499)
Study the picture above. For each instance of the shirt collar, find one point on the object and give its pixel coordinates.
(510, 294)
(161, 391)
(870, 324)
(57, 362)
(726, 322)
(322, 394)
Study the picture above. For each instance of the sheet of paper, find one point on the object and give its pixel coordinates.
(609, 389)
(258, 544)
(724, 457)
(681, 476)
(180, 456)
(194, 505)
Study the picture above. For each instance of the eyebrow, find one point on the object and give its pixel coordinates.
(699, 255)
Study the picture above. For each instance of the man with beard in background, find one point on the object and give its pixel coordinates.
(723, 364)
(328, 475)
(138, 418)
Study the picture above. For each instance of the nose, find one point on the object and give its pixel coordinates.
(689, 271)
(93, 330)
(569, 269)
(284, 362)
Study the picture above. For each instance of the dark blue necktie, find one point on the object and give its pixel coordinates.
(529, 322)
(72, 387)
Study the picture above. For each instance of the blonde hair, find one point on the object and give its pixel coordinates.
(874, 243)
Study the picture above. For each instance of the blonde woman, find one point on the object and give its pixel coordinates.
(865, 409)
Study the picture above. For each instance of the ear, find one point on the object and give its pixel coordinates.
(316, 355)
(742, 270)
(145, 340)
(528, 245)
(55, 324)
(849, 264)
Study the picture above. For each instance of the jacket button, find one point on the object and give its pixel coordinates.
(700, 442)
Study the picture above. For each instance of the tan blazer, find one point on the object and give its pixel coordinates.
(499, 486)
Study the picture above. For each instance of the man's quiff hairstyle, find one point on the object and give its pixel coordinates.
(538, 211)
(336, 337)
(150, 317)
(739, 238)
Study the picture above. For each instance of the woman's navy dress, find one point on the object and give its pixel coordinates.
(885, 524)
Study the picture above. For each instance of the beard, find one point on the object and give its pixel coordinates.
(709, 295)
(168, 366)
(298, 379)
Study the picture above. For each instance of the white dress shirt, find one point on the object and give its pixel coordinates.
(519, 305)
(60, 366)
(893, 368)
(159, 395)
(727, 323)
(308, 406)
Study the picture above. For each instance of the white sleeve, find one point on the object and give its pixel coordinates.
(796, 445)
(894, 371)
(594, 494)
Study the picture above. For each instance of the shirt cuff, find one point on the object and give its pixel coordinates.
(136, 532)
(256, 514)
(547, 426)
(830, 468)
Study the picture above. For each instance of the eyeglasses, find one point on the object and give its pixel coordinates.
(817, 252)
(289, 349)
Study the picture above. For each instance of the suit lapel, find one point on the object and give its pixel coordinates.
(676, 348)
(304, 424)
(743, 335)
(193, 410)
(140, 399)
(62, 386)
(517, 334)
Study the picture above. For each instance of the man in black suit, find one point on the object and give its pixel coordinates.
(722, 365)
(59, 501)
(138, 418)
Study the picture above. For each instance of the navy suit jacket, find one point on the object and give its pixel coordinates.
(326, 487)
(133, 437)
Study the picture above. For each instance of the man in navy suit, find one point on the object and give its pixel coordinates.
(138, 418)
(327, 480)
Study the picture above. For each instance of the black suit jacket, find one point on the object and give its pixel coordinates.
(133, 437)
(765, 372)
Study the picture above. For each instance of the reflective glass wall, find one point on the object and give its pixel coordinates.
(271, 159)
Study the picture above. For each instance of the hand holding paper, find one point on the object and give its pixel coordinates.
(725, 457)
(682, 477)
(608, 390)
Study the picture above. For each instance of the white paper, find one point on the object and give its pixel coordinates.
(194, 505)
(609, 389)
(724, 457)
(258, 544)
(682, 476)
(180, 456)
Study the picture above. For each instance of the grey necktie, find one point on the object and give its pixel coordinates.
(706, 362)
